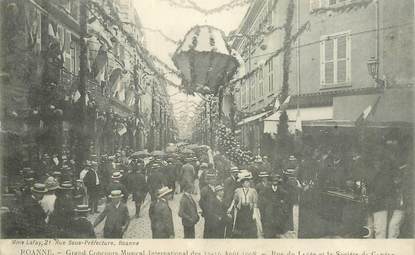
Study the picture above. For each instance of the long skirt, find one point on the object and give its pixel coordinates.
(245, 226)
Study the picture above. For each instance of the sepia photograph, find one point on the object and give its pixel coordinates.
(206, 119)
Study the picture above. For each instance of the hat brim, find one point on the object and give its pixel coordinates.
(53, 188)
(83, 210)
(65, 188)
(118, 196)
(38, 191)
(165, 193)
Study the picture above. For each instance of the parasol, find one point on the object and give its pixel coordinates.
(158, 153)
(140, 154)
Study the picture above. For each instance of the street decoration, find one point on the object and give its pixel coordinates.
(205, 60)
(230, 147)
(189, 4)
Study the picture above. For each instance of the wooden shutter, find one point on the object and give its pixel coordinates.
(341, 58)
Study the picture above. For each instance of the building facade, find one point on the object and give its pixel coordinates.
(342, 57)
(40, 79)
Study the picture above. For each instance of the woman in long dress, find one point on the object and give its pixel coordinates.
(244, 204)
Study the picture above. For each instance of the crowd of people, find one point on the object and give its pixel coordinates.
(257, 200)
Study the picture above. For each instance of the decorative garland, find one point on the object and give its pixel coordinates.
(230, 147)
(344, 8)
(108, 20)
(190, 4)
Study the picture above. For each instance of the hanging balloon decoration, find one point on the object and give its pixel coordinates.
(205, 60)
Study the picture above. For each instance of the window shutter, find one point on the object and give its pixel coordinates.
(322, 57)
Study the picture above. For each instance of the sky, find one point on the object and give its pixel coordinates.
(174, 22)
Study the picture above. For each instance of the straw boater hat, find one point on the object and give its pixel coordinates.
(56, 173)
(263, 174)
(38, 188)
(66, 185)
(82, 209)
(234, 169)
(204, 165)
(163, 191)
(292, 158)
(116, 175)
(211, 175)
(244, 175)
(51, 183)
(116, 194)
(257, 159)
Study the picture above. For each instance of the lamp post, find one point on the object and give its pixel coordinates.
(373, 69)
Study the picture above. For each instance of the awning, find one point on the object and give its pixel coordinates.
(394, 107)
(306, 114)
(252, 118)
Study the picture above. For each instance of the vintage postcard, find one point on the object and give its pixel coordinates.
(128, 120)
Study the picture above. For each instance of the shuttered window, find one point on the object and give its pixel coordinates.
(335, 59)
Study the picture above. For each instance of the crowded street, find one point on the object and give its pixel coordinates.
(196, 119)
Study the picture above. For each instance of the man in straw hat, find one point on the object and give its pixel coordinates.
(155, 180)
(49, 198)
(33, 214)
(117, 185)
(116, 215)
(188, 212)
(161, 216)
(81, 227)
(274, 207)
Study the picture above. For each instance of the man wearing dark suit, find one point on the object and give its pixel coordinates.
(161, 216)
(229, 187)
(188, 173)
(92, 183)
(207, 194)
(33, 214)
(155, 181)
(216, 215)
(137, 186)
(117, 216)
(188, 212)
(274, 208)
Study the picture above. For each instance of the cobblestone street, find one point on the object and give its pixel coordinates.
(140, 228)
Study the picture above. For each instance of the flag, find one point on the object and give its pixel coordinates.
(76, 96)
(122, 129)
(283, 106)
(368, 111)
